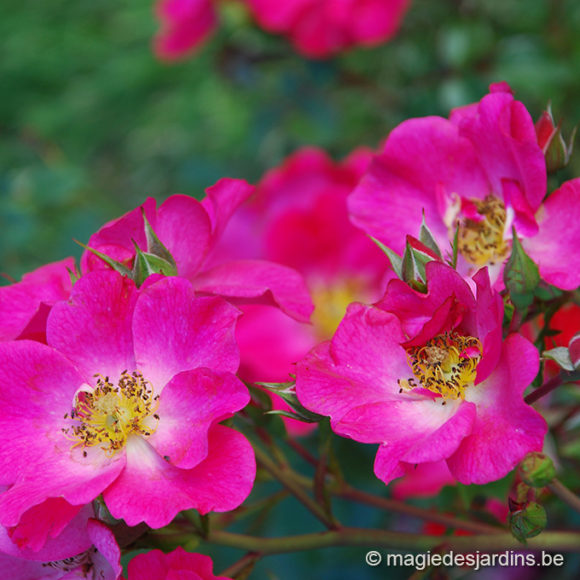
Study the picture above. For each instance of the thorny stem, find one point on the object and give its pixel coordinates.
(557, 541)
(286, 478)
(243, 563)
(560, 490)
(393, 505)
(550, 385)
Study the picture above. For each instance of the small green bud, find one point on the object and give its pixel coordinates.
(537, 469)
(528, 522)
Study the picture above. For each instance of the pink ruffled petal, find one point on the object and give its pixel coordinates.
(183, 226)
(186, 24)
(504, 136)
(93, 329)
(555, 248)
(175, 331)
(222, 199)
(115, 239)
(257, 278)
(506, 428)
(403, 181)
(152, 490)
(422, 480)
(435, 439)
(359, 367)
(24, 306)
(45, 534)
(191, 402)
(107, 559)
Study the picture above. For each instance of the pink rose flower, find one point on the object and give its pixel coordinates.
(125, 401)
(176, 564)
(428, 378)
(190, 230)
(481, 171)
(316, 28)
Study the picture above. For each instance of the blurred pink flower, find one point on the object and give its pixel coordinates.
(298, 217)
(176, 564)
(428, 377)
(316, 28)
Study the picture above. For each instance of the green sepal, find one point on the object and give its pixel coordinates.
(394, 258)
(427, 239)
(287, 392)
(146, 264)
(155, 245)
(117, 266)
(415, 259)
(521, 275)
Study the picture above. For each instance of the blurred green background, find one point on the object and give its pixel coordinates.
(91, 124)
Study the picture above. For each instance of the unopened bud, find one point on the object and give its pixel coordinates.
(528, 522)
(537, 469)
(555, 149)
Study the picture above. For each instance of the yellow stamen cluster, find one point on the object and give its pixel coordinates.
(446, 365)
(108, 414)
(482, 242)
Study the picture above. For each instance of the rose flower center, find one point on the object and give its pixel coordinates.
(107, 414)
(446, 365)
(480, 237)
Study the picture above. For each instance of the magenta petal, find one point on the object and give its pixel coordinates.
(20, 303)
(115, 239)
(93, 329)
(176, 565)
(191, 402)
(186, 24)
(40, 534)
(255, 278)
(503, 134)
(175, 331)
(436, 438)
(404, 179)
(359, 367)
(555, 248)
(489, 324)
(107, 559)
(506, 428)
(222, 199)
(153, 491)
(184, 228)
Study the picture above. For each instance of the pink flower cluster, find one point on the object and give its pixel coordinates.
(116, 379)
(316, 28)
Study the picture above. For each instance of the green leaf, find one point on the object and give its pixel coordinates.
(521, 275)
(394, 258)
(287, 392)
